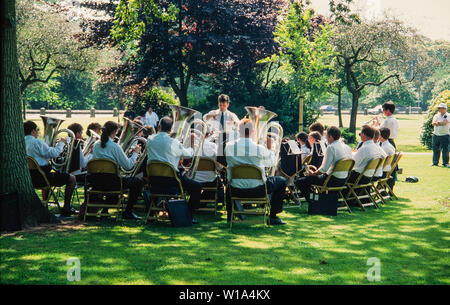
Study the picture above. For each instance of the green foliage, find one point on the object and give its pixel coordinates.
(427, 129)
(155, 98)
(348, 136)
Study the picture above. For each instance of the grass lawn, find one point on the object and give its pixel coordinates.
(409, 236)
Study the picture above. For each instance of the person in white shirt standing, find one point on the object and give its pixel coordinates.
(161, 147)
(106, 148)
(224, 121)
(245, 151)
(42, 153)
(335, 151)
(151, 118)
(390, 121)
(364, 155)
(441, 125)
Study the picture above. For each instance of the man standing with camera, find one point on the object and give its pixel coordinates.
(441, 124)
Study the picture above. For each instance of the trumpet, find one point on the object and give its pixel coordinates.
(373, 120)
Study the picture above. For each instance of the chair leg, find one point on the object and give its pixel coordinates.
(368, 193)
(345, 202)
(378, 194)
(352, 190)
(55, 197)
(86, 206)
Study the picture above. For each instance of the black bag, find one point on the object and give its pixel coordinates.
(323, 204)
(10, 206)
(179, 213)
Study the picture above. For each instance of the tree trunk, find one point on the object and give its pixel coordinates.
(183, 97)
(14, 174)
(354, 111)
(339, 95)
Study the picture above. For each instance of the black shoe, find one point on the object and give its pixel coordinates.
(69, 212)
(130, 215)
(276, 221)
(433, 164)
(195, 221)
(445, 165)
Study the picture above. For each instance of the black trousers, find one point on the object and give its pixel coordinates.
(220, 189)
(109, 182)
(304, 184)
(276, 186)
(440, 143)
(194, 189)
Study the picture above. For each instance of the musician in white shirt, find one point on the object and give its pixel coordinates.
(441, 137)
(42, 153)
(364, 155)
(151, 118)
(305, 147)
(390, 121)
(335, 151)
(79, 161)
(161, 147)
(106, 148)
(245, 151)
(376, 137)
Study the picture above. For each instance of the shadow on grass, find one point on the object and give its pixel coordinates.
(308, 250)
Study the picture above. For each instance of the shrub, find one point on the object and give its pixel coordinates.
(155, 97)
(348, 136)
(427, 129)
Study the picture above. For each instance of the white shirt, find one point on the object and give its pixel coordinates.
(161, 147)
(392, 124)
(389, 149)
(40, 151)
(362, 157)
(379, 172)
(441, 130)
(335, 152)
(83, 162)
(305, 151)
(230, 120)
(114, 152)
(209, 151)
(151, 119)
(245, 151)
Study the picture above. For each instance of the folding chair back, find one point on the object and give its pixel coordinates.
(114, 197)
(158, 171)
(388, 161)
(383, 183)
(208, 164)
(46, 187)
(343, 165)
(247, 171)
(372, 165)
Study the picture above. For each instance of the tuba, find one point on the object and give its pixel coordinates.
(183, 127)
(260, 118)
(51, 130)
(129, 138)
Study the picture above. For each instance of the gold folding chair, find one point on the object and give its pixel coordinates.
(46, 187)
(155, 170)
(353, 187)
(246, 171)
(207, 164)
(343, 165)
(103, 166)
(382, 183)
(375, 183)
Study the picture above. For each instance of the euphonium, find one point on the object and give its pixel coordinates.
(89, 143)
(182, 130)
(51, 125)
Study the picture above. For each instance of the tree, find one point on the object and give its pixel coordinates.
(14, 172)
(178, 40)
(371, 53)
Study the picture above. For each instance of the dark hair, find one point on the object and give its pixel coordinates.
(334, 132)
(385, 133)
(316, 135)
(94, 126)
(142, 112)
(107, 129)
(28, 127)
(166, 124)
(317, 127)
(223, 98)
(389, 106)
(75, 127)
(368, 131)
(304, 137)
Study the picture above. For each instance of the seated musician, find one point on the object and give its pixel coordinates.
(317, 150)
(335, 151)
(305, 147)
(317, 126)
(95, 127)
(225, 121)
(364, 155)
(79, 160)
(42, 153)
(376, 137)
(245, 151)
(389, 149)
(106, 148)
(161, 147)
(208, 178)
